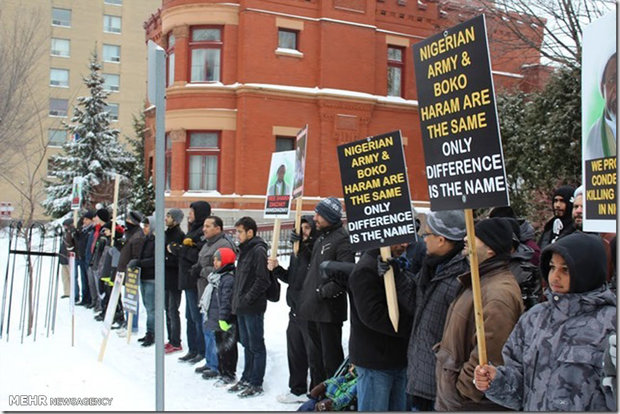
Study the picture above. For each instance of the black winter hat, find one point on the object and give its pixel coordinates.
(496, 233)
(89, 214)
(135, 217)
(585, 257)
(103, 214)
(566, 192)
(330, 209)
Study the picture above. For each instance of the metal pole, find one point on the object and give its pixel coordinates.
(8, 317)
(6, 277)
(156, 77)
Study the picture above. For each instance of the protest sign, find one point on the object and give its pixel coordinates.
(599, 111)
(376, 191)
(280, 184)
(132, 291)
(458, 118)
(76, 193)
(110, 311)
(300, 162)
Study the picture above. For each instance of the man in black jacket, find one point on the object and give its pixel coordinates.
(561, 224)
(85, 227)
(377, 351)
(187, 255)
(297, 329)
(174, 234)
(249, 302)
(323, 303)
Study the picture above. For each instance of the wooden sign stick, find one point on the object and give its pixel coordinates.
(390, 289)
(129, 326)
(297, 224)
(115, 209)
(276, 239)
(475, 286)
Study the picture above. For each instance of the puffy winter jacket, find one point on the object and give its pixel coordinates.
(204, 265)
(553, 360)
(220, 307)
(173, 235)
(319, 301)
(251, 278)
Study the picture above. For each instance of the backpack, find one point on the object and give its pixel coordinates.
(273, 291)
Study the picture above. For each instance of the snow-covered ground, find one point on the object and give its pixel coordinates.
(49, 368)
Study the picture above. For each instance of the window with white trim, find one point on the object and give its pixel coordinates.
(59, 77)
(114, 2)
(203, 155)
(111, 82)
(111, 53)
(288, 38)
(111, 24)
(61, 47)
(206, 54)
(58, 107)
(112, 109)
(56, 137)
(61, 17)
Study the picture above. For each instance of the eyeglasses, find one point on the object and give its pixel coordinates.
(425, 235)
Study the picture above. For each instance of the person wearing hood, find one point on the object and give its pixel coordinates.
(296, 331)
(219, 318)
(553, 359)
(561, 224)
(427, 296)
(187, 256)
(249, 302)
(323, 303)
(146, 263)
(502, 305)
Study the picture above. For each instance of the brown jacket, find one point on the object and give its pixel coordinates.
(457, 353)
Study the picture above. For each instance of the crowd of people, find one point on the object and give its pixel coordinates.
(549, 307)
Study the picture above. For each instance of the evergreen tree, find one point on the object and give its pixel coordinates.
(142, 196)
(94, 152)
(541, 137)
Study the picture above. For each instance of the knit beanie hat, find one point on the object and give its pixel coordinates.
(578, 191)
(89, 214)
(566, 192)
(176, 214)
(496, 233)
(330, 209)
(226, 255)
(103, 214)
(135, 217)
(447, 223)
(585, 257)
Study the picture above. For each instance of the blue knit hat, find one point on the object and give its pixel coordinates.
(330, 209)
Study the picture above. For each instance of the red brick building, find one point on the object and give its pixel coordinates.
(244, 76)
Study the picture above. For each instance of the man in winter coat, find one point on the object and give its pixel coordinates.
(553, 360)
(427, 296)
(218, 298)
(173, 234)
(93, 254)
(324, 303)
(213, 230)
(85, 228)
(377, 351)
(146, 263)
(561, 224)
(457, 353)
(66, 245)
(187, 255)
(296, 332)
(249, 303)
(526, 231)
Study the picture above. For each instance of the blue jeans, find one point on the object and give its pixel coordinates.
(195, 339)
(381, 390)
(81, 264)
(210, 348)
(252, 338)
(147, 290)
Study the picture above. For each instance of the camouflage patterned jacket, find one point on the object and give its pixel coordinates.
(553, 360)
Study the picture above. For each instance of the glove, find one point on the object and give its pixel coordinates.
(188, 242)
(294, 237)
(133, 263)
(383, 267)
(224, 326)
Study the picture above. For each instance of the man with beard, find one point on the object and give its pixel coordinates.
(187, 255)
(561, 224)
(427, 296)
